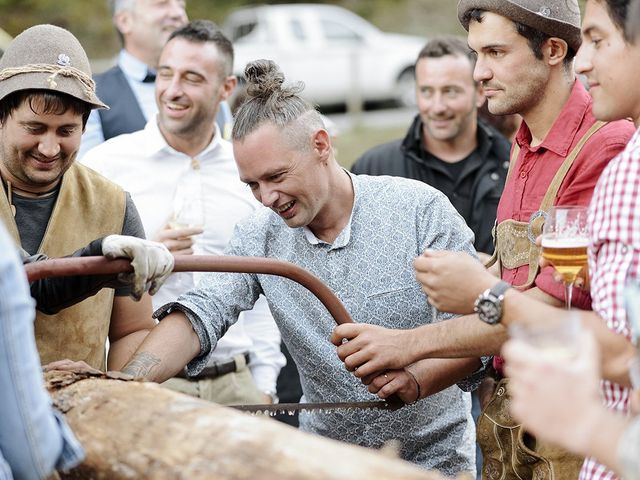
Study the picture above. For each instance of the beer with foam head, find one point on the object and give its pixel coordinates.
(567, 255)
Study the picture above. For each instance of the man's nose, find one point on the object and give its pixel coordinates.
(582, 63)
(49, 146)
(481, 72)
(268, 197)
(438, 105)
(174, 88)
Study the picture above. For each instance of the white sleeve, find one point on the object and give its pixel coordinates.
(266, 357)
(92, 135)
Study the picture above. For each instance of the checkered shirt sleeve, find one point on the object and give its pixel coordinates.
(614, 259)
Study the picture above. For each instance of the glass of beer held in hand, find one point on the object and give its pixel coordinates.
(565, 242)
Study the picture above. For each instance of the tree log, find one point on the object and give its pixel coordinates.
(139, 430)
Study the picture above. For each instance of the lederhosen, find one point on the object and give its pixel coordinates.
(508, 451)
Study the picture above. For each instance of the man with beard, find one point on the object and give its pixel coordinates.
(53, 206)
(525, 52)
(447, 145)
(179, 161)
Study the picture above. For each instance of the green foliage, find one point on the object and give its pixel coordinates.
(90, 20)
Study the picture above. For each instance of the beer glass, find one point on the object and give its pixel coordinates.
(187, 212)
(564, 244)
(555, 339)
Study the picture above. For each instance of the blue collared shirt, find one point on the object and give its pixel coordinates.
(369, 266)
(34, 438)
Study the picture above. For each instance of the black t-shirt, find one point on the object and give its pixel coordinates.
(455, 179)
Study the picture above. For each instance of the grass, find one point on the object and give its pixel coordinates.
(352, 143)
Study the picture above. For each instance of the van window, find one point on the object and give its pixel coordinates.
(338, 32)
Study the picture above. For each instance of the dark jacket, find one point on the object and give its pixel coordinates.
(476, 191)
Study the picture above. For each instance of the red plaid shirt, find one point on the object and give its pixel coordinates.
(614, 258)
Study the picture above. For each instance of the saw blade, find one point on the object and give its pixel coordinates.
(273, 409)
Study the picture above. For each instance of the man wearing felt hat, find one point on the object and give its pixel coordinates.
(525, 51)
(52, 206)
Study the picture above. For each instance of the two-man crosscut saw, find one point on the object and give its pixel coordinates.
(64, 267)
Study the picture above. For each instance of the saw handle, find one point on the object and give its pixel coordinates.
(65, 267)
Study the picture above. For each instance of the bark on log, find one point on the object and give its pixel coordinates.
(139, 430)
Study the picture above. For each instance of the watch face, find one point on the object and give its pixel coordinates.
(488, 311)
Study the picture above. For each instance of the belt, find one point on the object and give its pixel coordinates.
(217, 369)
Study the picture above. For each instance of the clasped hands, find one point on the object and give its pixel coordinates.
(377, 356)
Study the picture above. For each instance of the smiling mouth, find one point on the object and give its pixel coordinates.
(283, 209)
(441, 120)
(44, 160)
(175, 107)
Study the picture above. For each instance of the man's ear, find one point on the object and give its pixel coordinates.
(555, 50)
(123, 21)
(321, 143)
(228, 86)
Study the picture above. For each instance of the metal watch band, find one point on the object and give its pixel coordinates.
(499, 288)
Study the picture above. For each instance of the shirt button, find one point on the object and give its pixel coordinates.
(495, 176)
(523, 174)
(625, 249)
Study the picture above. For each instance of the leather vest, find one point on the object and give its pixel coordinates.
(88, 207)
(515, 242)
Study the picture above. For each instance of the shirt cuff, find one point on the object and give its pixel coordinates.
(265, 377)
(72, 452)
(470, 383)
(196, 365)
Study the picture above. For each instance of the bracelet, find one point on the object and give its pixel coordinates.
(417, 385)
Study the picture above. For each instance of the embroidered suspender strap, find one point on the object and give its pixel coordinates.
(537, 219)
(496, 257)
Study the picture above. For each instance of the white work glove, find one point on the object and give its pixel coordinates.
(151, 261)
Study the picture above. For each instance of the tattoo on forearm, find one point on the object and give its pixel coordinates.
(141, 364)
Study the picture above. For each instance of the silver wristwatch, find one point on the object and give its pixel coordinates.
(488, 305)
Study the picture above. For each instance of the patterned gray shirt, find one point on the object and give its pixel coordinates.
(370, 268)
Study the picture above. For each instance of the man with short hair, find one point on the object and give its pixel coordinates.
(448, 146)
(609, 58)
(525, 54)
(128, 88)
(359, 235)
(53, 206)
(180, 158)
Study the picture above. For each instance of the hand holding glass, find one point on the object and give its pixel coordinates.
(187, 213)
(564, 244)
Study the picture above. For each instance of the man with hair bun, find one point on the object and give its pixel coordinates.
(359, 235)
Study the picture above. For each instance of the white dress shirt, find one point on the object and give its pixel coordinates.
(158, 177)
